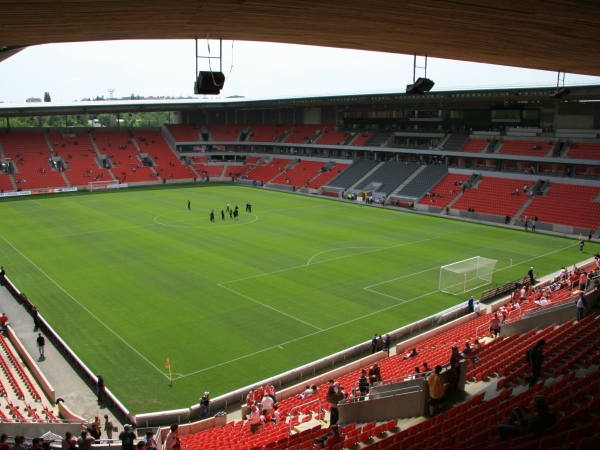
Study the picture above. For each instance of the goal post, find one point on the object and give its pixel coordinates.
(467, 275)
(96, 185)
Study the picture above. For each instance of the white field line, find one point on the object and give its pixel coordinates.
(400, 302)
(270, 307)
(83, 307)
(376, 249)
(31, 200)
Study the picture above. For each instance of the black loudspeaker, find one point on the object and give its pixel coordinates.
(209, 83)
(421, 86)
(560, 93)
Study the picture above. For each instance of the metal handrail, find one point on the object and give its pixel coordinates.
(290, 413)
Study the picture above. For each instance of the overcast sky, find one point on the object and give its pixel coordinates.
(71, 72)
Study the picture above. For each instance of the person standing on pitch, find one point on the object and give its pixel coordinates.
(222, 215)
(189, 205)
(531, 276)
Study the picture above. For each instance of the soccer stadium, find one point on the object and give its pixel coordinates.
(403, 270)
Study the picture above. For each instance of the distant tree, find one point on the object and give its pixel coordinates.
(47, 97)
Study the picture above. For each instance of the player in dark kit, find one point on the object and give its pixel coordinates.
(222, 215)
(212, 215)
(189, 205)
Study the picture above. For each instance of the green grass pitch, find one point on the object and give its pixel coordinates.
(131, 278)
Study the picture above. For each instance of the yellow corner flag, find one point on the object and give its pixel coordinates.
(168, 366)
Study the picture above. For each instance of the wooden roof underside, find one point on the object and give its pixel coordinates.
(555, 35)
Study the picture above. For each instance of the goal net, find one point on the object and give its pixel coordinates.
(464, 276)
(96, 185)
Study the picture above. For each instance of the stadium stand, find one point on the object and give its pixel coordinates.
(121, 149)
(456, 141)
(166, 162)
(361, 138)
(583, 150)
(302, 134)
(77, 151)
(225, 133)
(184, 132)
(6, 183)
(392, 174)
(270, 170)
(449, 187)
(424, 181)
(325, 177)
(30, 152)
(475, 145)
(331, 136)
(552, 207)
(353, 173)
(527, 148)
(493, 196)
(266, 133)
(301, 174)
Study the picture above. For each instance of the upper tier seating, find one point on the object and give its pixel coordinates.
(566, 204)
(392, 174)
(361, 138)
(456, 141)
(493, 196)
(474, 145)
(353, 173)
(224, 133)
(302, 134)
(449, 188)
(584, 150)
(526, 148)
(265, 133)
(29, 151)
(80, 157)
(166, 162)
(124, 155)
(331, 136)
(184, 132)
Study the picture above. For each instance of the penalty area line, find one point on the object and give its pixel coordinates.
(82, 307)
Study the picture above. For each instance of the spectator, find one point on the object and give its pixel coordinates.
(127, 437)
(411, 354)
(307, 393)
(533, 420)
(108, 427)
(363, 385)
(84, 442)
(172, 441)
(267, 404)
(535, 358)
(335, 394)
(3, 322)
(374, 343)
(253, 419)
(477, 308)
(276, 418)
(3, 444)
(387, 343)
(455, 369)
(581, 305)
(205, 405)
(149, 441)
(436, 391)
(100, 389)
(374, 374)
(471, 304)
(68, 442)
(494, 326)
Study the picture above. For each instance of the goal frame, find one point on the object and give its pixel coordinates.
(464, 281)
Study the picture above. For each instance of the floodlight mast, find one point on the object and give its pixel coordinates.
(415, 67)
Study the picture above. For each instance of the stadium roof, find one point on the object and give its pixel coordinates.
(552, 35)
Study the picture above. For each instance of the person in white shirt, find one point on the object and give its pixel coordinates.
(267, 404)
(477, 308)
(276, 415)
(254, 419)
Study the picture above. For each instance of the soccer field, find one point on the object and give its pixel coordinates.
(131, 278)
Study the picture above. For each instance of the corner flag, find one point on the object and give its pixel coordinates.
(168, 366)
